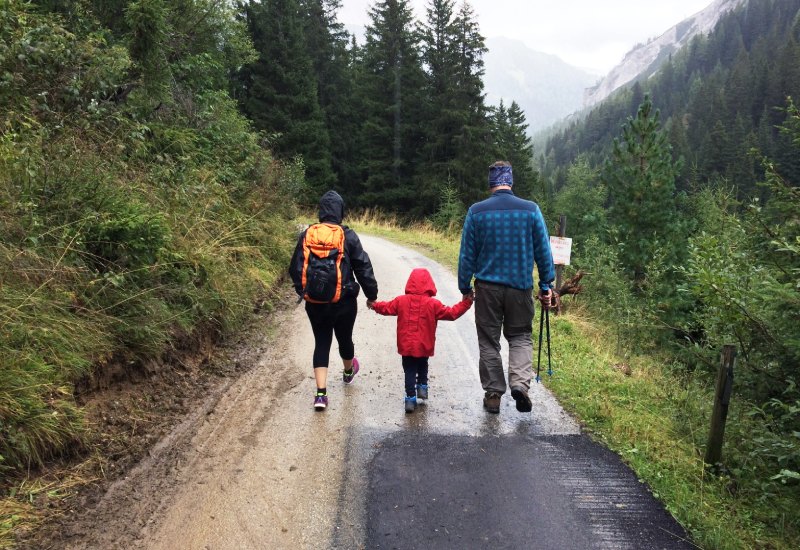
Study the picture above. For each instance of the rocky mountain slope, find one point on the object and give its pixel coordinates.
(646, 59)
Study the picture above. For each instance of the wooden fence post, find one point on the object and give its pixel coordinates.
(722, 398)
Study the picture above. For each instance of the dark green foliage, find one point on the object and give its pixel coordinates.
(124, 223)
(147, 24)
(582, 199)
(640, 178)
(511, 143)
(392, 107)
(278, 92)
(458, 121)
(449, 216)
(475, 137)
(333, 62)
(743, 275)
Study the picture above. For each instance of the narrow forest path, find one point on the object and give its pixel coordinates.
(258, 468)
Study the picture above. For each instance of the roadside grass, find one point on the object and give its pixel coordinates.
(110, 259)
(656, 419)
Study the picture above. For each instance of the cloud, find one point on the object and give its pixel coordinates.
(587, 33)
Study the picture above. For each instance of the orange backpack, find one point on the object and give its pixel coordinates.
(323, 251)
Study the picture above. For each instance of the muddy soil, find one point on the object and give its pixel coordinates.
(142, 420)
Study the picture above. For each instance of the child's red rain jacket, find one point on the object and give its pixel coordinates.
(418, 313)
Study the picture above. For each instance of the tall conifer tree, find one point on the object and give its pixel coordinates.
(438, 34)
(391, 105)
(473, 139)
(511, 143)
(327, 43)
(456, 126)
(640, 177)
(279, 90)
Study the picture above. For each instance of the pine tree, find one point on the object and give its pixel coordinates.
(511, 143)
(640, 177)
(438, 37)
(327, 43)
(279, 91)
(474, 137)
(392, 106)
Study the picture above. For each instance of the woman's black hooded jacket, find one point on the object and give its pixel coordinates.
(356, 260)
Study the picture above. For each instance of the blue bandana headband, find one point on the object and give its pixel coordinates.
(500, 175)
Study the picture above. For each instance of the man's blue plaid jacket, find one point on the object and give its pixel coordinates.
(502, 237)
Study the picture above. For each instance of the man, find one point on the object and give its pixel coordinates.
(502, 237)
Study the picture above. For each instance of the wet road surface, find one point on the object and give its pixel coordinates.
(261, 469)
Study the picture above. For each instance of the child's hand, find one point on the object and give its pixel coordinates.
(370, 304)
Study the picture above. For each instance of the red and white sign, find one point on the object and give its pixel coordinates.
(562, 248)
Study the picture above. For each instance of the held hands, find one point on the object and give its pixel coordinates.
(469, 296)
(370, 304)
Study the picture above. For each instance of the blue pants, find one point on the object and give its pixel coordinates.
(416, 369)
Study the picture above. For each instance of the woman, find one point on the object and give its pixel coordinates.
(335, 317)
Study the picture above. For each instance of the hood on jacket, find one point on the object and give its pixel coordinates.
(420, 282)
(331, 208)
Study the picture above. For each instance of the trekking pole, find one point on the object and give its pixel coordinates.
(541, 331)
(547, 322)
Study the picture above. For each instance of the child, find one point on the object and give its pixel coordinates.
(417, 315)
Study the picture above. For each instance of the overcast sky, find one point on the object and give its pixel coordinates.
(592, 34)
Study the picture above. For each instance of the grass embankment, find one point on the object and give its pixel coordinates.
(118, 241)
(656, 419)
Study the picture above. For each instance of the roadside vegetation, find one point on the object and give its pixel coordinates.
(137, 209)
(656, 417)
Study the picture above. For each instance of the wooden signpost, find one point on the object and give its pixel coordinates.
(722, 398)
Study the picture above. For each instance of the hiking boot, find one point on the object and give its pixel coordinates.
(422, 391)
(411, 403)
(348, 376)
(491, 402)
(320, 402)
(524, 404)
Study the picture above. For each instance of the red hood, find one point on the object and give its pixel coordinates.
(420, 282)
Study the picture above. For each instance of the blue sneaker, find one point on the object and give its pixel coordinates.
(347, 377)
(422, 391)
(320, 402)
(411, 403)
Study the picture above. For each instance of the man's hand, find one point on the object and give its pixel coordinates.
(547, 298)
(469, 295)
(370, 304)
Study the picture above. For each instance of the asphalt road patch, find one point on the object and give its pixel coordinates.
(516, 491)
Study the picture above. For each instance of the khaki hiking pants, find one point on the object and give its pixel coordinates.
(499, 307)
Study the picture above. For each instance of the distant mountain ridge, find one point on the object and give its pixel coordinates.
(545, 87)
(646, 59)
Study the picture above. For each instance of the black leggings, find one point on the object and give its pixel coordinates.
(327, 319)
(416, 369)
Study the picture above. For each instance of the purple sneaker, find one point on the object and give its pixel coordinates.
(348, 376)
(320, 402)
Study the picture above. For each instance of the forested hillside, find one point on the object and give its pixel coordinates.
(682, 194)
(720, 98)
(399, 123)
